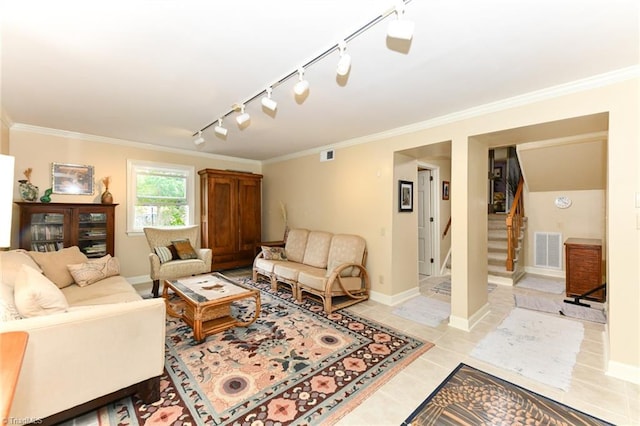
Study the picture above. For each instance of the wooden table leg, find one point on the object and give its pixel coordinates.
(165, 296)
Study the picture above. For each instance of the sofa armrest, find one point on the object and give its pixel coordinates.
(205, 254)
(88, 352)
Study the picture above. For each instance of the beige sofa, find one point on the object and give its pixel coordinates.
(95, 344)
(328, 266)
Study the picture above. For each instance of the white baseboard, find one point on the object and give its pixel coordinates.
(629, 373)
(546, 272)
(396, 298)
(467, 324)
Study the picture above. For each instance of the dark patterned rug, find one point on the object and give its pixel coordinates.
(472, 397)
(294, 365)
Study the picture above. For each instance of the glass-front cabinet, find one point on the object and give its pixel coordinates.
(53, 226)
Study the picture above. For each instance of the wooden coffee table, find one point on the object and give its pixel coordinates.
(208, 299)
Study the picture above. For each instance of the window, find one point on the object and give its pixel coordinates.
(159, 195)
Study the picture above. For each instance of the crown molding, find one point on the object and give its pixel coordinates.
(593, 82)
(122, 142)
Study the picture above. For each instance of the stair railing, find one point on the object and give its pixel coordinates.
(446, 229)
(514, 221)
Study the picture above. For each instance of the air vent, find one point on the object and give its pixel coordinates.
(548, 250)
(327, 155)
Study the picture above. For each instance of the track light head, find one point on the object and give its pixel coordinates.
(302, 86)
(199, 140)
(243, 118)
(220, 131)
(269, 103)
(401, 28)
(344, 64)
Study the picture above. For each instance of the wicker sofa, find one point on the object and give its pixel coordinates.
(317, 263)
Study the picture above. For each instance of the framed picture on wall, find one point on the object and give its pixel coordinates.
(445, 189)
(405, 196)
(71, 179)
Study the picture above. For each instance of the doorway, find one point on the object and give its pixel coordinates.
(428, 257)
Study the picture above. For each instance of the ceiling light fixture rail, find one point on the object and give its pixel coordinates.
(299, 71)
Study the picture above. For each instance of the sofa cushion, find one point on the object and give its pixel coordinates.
(94, 270)
(36, 295)
(317, 250)
(10, 263)
(296, 244)
(317, 280)
(290, 270)
(54, 264)
(166, 253)
(184, 249)
(114, 289)
(274, 253)
(346, 248)
(266, 265)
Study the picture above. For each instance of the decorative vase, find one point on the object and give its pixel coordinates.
(107, 198)
(28, 191)
(46, 198)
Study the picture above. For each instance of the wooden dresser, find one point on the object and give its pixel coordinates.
(583, 263)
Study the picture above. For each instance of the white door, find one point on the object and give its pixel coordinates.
(425, 223)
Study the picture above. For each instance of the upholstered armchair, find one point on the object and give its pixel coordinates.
(172, 258)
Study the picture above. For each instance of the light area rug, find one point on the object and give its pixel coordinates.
(595, 313)
(536, 345)
(543, 284)
(424, 310)
(294, 365)
(445, 287)
(469, 396)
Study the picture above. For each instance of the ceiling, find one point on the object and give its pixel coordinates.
(157, 72)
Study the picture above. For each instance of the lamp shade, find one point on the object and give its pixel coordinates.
(7, 164)
(401, 29)
(301, 87)
(269, 103)
(344, 64)
(220, 130)
(243, 118)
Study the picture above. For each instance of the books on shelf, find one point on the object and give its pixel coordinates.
(93, 217)
(47, 232)
(47, 246)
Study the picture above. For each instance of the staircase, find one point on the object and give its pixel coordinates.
(497, 252)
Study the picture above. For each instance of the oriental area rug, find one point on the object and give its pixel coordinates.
(472, 397)
(295, 365)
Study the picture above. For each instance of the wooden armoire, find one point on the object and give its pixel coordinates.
(231, 219)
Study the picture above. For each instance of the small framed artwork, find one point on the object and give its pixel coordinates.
(71, 179)
(405, 196)
(497, 172)
(445, 189)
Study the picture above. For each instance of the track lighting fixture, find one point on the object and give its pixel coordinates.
(269, 103)
(401, 28)
(220, 131)
(243, 118)
(199, 140)
(344, 64)
(302, 86)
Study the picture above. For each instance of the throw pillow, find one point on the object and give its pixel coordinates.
(94, 270)
(273, 253)
(185, 249)
(36, 295)
(10, 263)
(54, 264)
(8, 309)
(167, 253)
